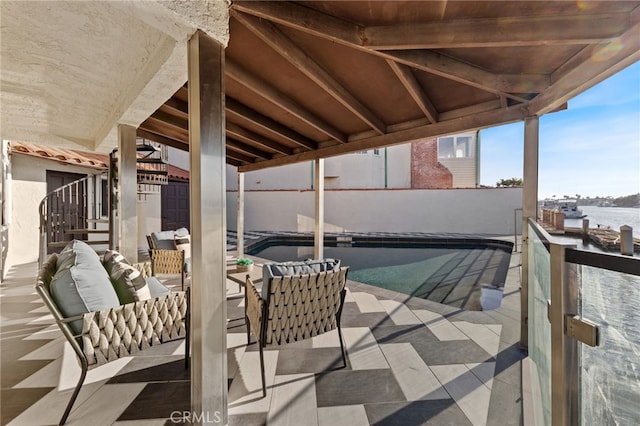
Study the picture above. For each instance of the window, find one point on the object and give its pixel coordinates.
(376, 151)
(455, 147)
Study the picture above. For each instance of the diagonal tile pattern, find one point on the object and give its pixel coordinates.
(409, 362)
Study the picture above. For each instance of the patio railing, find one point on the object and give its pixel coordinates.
(584, 338)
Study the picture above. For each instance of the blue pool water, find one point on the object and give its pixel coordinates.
(465, 275)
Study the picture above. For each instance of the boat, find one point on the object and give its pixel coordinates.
(568, 206)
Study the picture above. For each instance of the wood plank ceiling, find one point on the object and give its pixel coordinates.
(306, 80)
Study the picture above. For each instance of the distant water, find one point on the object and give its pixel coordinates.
(613, 217)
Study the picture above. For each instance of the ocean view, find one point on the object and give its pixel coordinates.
(614, 217)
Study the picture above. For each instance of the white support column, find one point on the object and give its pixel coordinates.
(240, 216)
(529, 210)
(318, 249)
(127, 193)
(208, 229)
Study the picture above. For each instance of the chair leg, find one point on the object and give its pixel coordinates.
(344, 356)
(76, 391)
(264, 385)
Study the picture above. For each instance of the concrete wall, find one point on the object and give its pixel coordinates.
(477, 211)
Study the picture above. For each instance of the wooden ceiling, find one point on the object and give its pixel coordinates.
(306, 80)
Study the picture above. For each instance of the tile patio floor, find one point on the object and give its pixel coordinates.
(410, 362)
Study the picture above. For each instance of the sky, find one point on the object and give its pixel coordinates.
(592, 148)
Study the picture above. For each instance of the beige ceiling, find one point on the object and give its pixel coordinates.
(304, 80)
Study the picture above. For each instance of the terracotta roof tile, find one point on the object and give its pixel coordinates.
(86, 159)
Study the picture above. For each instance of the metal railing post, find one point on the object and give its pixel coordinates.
(564, 349)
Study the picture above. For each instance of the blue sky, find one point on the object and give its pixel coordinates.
(592, 148)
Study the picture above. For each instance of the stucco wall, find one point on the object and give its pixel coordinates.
(478, 211)
(29, 187)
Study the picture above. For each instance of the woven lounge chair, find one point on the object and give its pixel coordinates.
(293, 308)
(99, 337)
(169, 255)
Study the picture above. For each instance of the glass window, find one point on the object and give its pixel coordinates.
(462, 146)
(445, 147)
(455, 147)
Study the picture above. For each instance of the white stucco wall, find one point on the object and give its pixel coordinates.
(29, 186)
(476, 211)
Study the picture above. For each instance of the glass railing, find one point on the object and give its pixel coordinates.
(584, 337)
(539, 326)
(609, 374)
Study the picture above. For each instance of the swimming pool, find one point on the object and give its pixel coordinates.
(468, 274)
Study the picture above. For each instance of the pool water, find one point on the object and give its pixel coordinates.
(467, 276)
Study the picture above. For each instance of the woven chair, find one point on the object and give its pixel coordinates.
(294, 308)
(114, 333)
(169, 262)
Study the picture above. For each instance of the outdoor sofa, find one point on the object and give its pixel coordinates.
(107, 308)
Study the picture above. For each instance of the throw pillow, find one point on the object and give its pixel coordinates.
(81, 284)
(129, 284)
(183, 243)
(110, 258)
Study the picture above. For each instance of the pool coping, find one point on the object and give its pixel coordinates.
(462, 239)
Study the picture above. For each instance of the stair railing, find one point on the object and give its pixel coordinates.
(61, 212)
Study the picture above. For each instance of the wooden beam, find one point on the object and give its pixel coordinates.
(586, 69)
(267, 91)
(177, 106)
(171, 120)
(498, 32)
(174, 143)
(268, 124)
(160, 128)
(273, 37)
(483, 32)
(247, 149)
(473, 122)
(253, 138)
(304, 19)
(235, 155)
(443, 66)
(415, 90)
(335, 30)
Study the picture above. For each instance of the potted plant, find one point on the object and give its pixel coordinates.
(243, 264)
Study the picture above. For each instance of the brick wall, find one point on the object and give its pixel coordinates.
(426, 171)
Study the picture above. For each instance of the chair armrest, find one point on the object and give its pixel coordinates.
(124, 330)
(254, 308)
(166, 261)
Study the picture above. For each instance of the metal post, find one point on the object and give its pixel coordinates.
(240, 217)
(529, 210)
(318, 249)
(564, 349)
(128, 198)
(208, 228)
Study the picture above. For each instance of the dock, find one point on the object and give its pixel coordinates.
(605, 238)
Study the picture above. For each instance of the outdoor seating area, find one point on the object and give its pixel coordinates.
(107, 308)
(408, 361)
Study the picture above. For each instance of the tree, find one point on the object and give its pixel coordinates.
(509, 183)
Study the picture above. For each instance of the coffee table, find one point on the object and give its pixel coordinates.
(240, 277)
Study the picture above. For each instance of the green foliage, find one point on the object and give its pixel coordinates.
(509, 183)
(244, 261)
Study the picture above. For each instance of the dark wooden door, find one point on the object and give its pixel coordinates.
(175, 206)
(67, 210)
